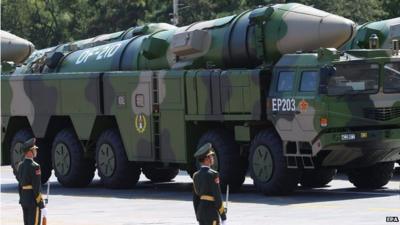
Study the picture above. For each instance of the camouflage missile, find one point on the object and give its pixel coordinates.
(40, 55)
(14, 48)
(386, 30)
(246, 40)
(113, 37)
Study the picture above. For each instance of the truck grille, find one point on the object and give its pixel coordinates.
(382, 114)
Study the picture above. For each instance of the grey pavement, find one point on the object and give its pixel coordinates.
(171, 204)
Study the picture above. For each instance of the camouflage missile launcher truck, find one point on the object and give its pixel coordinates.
(146, 103)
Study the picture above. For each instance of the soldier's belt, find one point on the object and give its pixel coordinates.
(27, 187)
(207, 198)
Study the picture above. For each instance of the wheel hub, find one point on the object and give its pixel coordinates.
(106, 160)
(62, 159)
(262, 163)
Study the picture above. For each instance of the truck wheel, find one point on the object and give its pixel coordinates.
(268, 165)
(71, 168)
(160, 174)
(114, 169)
(229, 163)
(371, 177)
(317, 177)
(16, 152)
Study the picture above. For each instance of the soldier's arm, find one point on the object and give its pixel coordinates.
(37, 187)
(218, 197)
(19, 178)
(196, 201)
(196, 198)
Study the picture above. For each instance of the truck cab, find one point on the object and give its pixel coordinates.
(335, 110)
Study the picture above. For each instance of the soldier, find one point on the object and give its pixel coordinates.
(207, 199)
(29, 186)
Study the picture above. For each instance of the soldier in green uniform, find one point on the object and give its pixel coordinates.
(29, 186)
(207, 199)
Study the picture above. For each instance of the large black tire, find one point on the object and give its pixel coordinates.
(268, 165)
(114, 169)
(371, 177)
(160, 174)
(230, 165)
(43, 157)
(71, 167)
(317, 177)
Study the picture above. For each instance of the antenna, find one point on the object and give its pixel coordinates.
(175, 14)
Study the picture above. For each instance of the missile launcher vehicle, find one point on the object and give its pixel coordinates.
(250, 84)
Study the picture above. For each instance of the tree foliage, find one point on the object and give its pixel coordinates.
(50, 22)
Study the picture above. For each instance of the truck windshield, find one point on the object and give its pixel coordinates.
(391, 83)
(354, 79)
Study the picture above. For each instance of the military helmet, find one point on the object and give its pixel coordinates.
(204, 150)
(29, 144)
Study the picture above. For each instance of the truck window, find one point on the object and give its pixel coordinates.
(354, 79)
(308, 81)
(391, 83)
(285, 81)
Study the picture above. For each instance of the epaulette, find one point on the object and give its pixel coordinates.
(19, 164)
(35, 164)
(213, 171)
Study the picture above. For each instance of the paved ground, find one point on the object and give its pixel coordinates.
(170, 203)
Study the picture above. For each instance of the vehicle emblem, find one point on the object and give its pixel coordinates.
(303, 106)
(140, 123)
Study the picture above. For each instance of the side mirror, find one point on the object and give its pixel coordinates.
(326, 73)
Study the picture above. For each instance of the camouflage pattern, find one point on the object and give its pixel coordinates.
(372, 118)
(35, 62)
(164, 88)
(245, 40)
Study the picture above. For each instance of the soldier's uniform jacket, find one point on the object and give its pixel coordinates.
(29, 179)
(207, 199)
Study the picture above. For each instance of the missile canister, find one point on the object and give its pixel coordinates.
(33, 63)
(246, 40)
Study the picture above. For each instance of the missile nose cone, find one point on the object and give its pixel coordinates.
(334, 31)
(308, 29)
(14, 48)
